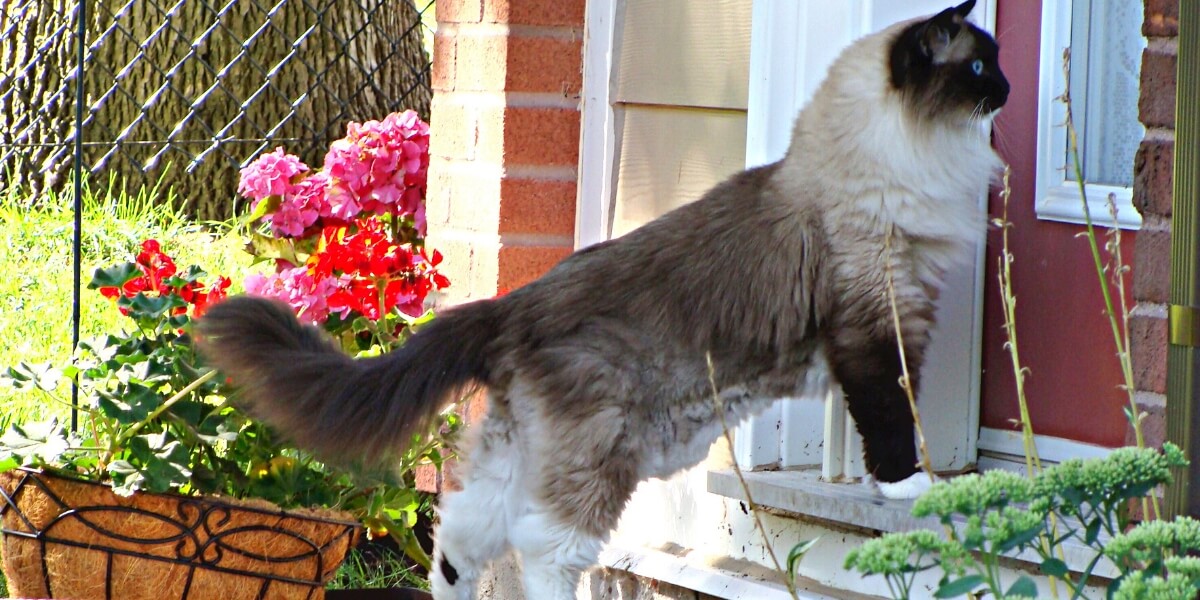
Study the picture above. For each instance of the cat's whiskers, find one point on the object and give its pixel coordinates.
(1000, 35)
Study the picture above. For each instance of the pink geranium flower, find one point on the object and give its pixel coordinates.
(301, 206)
(270, 175)
(299, 288)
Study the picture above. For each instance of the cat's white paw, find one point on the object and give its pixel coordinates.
(906, 489)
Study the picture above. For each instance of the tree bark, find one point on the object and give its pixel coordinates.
(184, 91)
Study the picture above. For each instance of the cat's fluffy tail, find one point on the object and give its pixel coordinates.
(292, 375)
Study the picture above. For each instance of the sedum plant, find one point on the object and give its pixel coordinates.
(998, 514)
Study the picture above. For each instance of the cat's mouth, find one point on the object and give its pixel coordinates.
(995, 101)
(989, 107)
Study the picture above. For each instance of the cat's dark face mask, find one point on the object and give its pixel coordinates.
(948, 68)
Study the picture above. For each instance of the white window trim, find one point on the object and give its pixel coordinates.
(597, 141)
(1005, 449)
(1057, 198)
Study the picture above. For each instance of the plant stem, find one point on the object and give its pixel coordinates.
(1033, 462)
(754, 513)
(1120, 341)
(905, 380)
(154, 414)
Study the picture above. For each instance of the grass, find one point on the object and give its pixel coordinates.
(36, 260)
(383, 568)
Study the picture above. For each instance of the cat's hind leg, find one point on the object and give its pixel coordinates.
(553, 555)
(574, 503)
(474, 521)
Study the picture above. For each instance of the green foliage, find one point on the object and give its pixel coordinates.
(155, 418)
(999, 513)
(36, 258)
(795, 555)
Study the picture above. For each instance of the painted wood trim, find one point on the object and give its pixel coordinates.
(1050, 449)
(597, 144)
(693, 573)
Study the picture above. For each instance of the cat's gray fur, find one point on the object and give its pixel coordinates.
(596, 372)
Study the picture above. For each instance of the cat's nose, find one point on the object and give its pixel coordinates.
(999, 97)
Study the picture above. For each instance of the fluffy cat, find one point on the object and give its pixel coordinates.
(596, 373)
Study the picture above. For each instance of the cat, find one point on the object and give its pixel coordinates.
(598, 373)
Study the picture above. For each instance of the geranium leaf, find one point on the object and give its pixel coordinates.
(126, 479)
(34, 443)
(114, 276)
(132, 405)
(266, 248)
(142, 306)
(8, 463)
(40, 376)
(265, 206)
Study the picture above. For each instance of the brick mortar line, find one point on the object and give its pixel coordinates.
(463, 235)
(1150, 399)
(536, 240)
(559, 32)
(541, 173)
(478, 168)
(1159, 134)
(1152, 310)
(473, 168)
(1163, 45)
(502, 99)
(1155, 222)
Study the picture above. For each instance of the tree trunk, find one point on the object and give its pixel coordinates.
(200, 86)
(36, 64)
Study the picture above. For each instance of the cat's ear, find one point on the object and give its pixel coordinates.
(936, 33)
(965, 8)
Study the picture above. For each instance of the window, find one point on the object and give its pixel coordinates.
(1106, 45)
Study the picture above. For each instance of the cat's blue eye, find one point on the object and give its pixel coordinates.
(977, 66)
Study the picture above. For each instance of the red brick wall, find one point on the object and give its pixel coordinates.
(504, 147)
(1152, 196)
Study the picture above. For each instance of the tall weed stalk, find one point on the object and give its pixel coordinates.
(1118, 320)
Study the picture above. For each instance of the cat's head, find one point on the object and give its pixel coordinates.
(946, 68)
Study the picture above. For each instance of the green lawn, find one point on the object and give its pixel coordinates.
(35, 260)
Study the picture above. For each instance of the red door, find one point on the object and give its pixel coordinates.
(1064, 336)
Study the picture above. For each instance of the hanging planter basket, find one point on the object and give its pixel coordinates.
(65, 538)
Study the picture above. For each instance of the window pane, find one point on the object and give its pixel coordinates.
(1106, 53)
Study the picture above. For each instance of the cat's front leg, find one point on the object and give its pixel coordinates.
(869, 375)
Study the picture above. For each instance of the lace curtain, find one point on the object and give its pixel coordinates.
(1106, 54)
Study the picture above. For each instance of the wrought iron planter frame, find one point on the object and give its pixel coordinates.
(199, 543)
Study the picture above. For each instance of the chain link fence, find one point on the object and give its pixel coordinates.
(182, 93)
